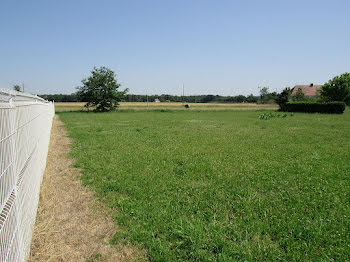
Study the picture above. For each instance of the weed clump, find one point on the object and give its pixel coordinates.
(267, 116)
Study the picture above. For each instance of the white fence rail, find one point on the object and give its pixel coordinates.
(25, 126)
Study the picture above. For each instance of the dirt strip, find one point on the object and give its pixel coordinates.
(71, 225)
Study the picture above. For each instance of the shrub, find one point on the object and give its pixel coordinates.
(283, 98)
(267, 116)
(315, 107)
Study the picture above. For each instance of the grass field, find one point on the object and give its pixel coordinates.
(142, 106)
(221, 185)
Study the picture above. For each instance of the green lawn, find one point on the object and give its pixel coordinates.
(221, 186)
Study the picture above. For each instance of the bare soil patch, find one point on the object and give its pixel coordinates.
(71, 224)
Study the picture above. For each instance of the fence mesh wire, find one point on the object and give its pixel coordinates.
(25, 126)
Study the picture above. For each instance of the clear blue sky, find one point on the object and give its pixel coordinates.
(214, 47)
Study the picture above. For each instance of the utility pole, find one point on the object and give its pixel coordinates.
(23, 87)
(183, 93)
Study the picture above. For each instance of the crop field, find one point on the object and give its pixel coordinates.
(220, 185)
(143, 106)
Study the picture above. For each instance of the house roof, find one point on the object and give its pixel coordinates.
(308, 90)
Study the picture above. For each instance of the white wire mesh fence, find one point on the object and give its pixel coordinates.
(25, 126)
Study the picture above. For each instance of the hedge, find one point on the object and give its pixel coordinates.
(315, 107)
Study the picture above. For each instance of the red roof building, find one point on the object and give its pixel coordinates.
(308, 90)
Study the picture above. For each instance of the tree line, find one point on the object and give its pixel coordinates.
(74, 97)
(192, 98)
(100, 90)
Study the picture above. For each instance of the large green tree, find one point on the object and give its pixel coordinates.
(337, 89)
(100, 90)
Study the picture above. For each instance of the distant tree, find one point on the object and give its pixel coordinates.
(240, 98)
(283, 98)
(264, 94)
(61, 97)
(337, 89)
(100, 90)
(252, 99)
(17, 88)
(208, 98)
(299, 96)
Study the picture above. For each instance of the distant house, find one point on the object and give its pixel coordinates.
(156, 100)
(308, 90)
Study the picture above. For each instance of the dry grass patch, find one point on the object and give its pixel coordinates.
(71, 224)
(142, 106)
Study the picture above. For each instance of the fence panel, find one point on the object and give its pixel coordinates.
(25, 126)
